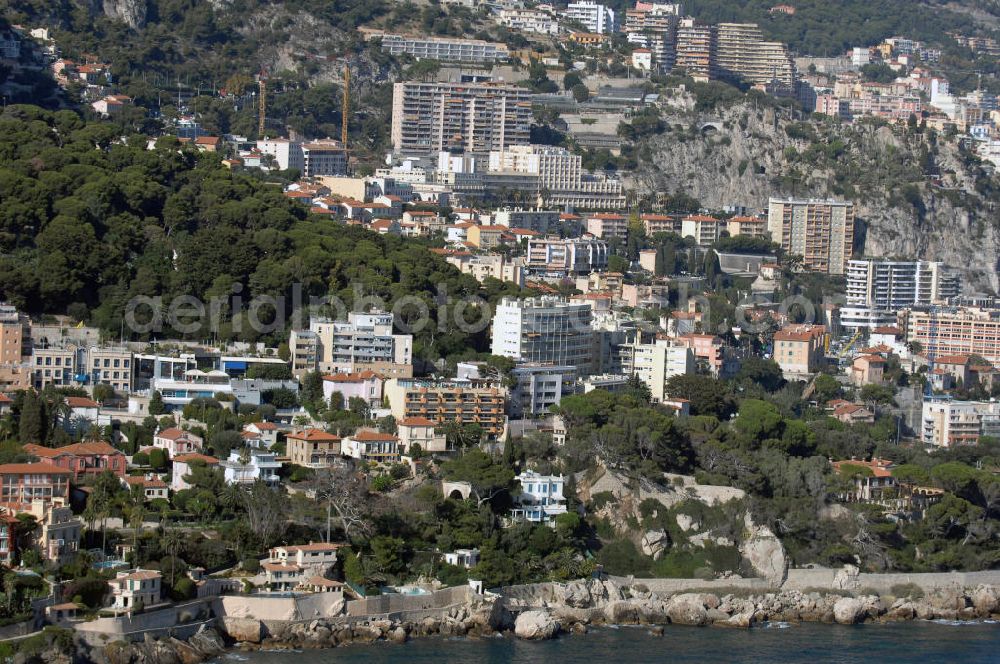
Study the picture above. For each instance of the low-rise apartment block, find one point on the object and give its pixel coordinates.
(799, 349)
(949, 423)
(479, 402)
(445, 49)
(312, 448)
(567, 256)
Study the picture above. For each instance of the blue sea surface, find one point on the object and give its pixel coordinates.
(919, 642)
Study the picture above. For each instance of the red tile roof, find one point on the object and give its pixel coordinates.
(81, 402)
(416, 422)
(29, 468)
(313, 434)
(194, 456)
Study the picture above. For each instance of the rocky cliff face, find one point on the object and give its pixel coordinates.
(917, 195)
(131, 12)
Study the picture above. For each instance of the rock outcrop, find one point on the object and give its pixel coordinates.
(535, 625)
(763, 550)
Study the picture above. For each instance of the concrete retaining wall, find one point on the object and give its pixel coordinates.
(280, 609)
(157, 619)
(396, 603)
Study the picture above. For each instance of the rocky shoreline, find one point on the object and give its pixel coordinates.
(555, 609)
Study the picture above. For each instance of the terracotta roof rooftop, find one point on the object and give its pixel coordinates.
(76, 449)
(416, 422)
(39, 468)
(81, 402)
(312, 434)
(194, 456)
(372, 435)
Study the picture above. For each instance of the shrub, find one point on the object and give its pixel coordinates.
(251, 565)
(910, 590)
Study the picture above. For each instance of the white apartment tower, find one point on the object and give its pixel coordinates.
(364, 341)
(878, 288)
(595, 17)
(544, 330)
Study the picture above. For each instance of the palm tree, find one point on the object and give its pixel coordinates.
(171, 541)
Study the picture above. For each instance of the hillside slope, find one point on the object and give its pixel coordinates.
(918, 194)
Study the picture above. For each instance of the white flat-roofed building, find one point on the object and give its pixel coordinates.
(544, 330)
(567, 256)
(878, 288)
(541, 498)
(444, 49)
(597, 18)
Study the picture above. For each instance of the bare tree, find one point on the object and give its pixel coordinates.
(346, 494)
(266, 512)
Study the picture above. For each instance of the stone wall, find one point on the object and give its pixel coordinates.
(285, 608)
(397, 603)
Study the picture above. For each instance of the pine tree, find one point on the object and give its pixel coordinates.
(509, 458)
(156, 406)
(658, 267)
(32, 427)
(669, 259)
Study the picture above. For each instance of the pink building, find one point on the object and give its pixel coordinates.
(182, 467)
(82, 459)
(177, 441)
(366, 385)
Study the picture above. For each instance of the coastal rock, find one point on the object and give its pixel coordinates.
(765, 553)
(848, 610)
(535, 625)
(621, 612)
(654, 543)
(846, 578)
(208, 642)
(744, 620)
(398, 635)
(242, 629)
(986, 600)
(687, 609)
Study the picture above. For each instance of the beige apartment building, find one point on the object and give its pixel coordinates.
(431, 117)
(743, 53)
(799, 349)
(312, 448)
(705, 230)
(747, 226)
(959, 331)
(697, 48)
(467, 402)
(820, 231)
(112, 366)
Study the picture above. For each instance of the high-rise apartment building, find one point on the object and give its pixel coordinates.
(878, 288)
(655, 363)
(743, 53)
(364, 341)
(697, 47)
(475, 117)
(15, 373)
(597, 18)
(544, 330)
(557, 168)
(820, 231)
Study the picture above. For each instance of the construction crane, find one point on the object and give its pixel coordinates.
(345, 106)
(811, 387)
(262, 102)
